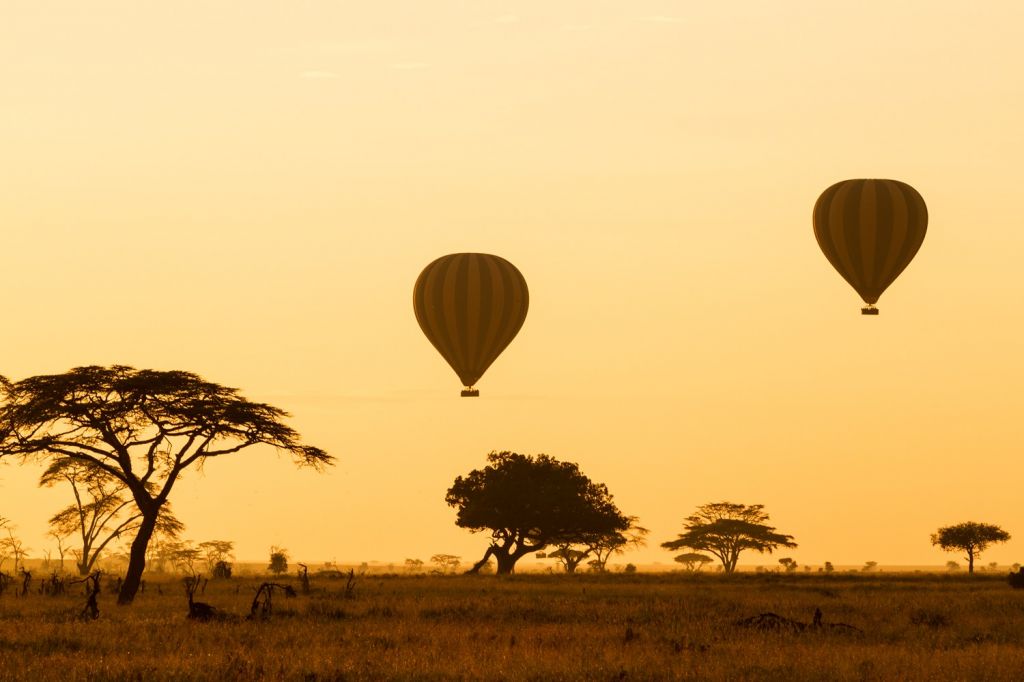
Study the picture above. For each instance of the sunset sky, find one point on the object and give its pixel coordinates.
(249, 191)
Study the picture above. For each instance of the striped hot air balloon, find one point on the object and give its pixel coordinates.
(870, 230)
(470, 306)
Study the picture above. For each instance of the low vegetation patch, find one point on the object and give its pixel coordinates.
(667, 626)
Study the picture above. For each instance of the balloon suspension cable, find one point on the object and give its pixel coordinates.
(470, 392)
(869, 309)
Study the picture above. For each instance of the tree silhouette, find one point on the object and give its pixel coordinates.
(617, 542)
(183, 556)
(101, 512)
(13, 546)
(446, 563)
(693, 561)
(568, 557)
(142, 427)
(216, 554)
(528, 503)
(278, 560)
(726, 530)
(970, 537)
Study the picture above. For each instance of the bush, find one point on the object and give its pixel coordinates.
(278, 561)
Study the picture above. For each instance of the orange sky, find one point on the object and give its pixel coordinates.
(249, 190)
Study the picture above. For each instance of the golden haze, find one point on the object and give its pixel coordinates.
(251, 193)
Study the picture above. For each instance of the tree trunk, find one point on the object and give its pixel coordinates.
(970, 563)
(506, 563)
(137, 560)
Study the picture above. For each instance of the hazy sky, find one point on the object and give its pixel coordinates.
(249, 190)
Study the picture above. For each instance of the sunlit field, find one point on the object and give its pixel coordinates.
(531, 627)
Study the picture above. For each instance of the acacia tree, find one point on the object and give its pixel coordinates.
(726, 530)
(528, 503)
(160, 552)
(601, 549)
(566, 555)
(13, 546)
(61, 549)
(970, 537)
(143, 428)
(101, 513)
(216, 554)
(633, 537)
(183, 556)
(693, 561)
(446, 563)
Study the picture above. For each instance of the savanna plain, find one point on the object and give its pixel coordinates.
(532, 627)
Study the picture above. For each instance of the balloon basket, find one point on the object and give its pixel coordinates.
(869, 310)
(470, 393)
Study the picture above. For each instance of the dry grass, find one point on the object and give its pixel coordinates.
(534, 627)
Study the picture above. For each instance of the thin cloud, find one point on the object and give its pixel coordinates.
(410, 66)
(318, 75)
(374, 46)
(661, 19)
(507, 19)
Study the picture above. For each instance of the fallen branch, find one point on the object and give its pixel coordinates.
(773, 622)
(262, 604)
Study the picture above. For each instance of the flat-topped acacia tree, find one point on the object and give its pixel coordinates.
(142, 427)
(726, 529)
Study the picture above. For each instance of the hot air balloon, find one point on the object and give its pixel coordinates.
(470, 306)
(870, 230)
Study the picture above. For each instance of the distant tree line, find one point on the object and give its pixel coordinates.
(118, 439)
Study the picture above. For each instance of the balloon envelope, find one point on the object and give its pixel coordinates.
(870, 230)
(470, 306)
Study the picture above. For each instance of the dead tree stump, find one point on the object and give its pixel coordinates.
(263, 603)
(91, 610)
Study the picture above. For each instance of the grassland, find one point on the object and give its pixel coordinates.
(537, 627)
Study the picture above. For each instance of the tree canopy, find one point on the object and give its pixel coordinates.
(969, 537)
(144, 428)
(216, 553)
(693, 561)
(726, 530)
(530, 502)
